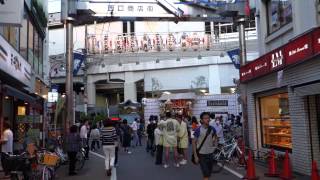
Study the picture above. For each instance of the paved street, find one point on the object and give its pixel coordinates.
(139, 165)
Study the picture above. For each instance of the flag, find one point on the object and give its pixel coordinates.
(235, 57)
(77, 62)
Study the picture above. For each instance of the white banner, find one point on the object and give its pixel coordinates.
(11, 12)
(12, 63)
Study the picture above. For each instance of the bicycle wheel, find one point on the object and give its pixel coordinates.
(80, 160)
(218, 161)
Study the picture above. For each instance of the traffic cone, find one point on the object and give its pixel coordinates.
(251, 172)
(287, 171)
(272, 169)
(314, 173)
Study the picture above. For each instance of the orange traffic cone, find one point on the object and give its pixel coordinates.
(251, 172)
(287, 171)
(314, 173)
(272, 171)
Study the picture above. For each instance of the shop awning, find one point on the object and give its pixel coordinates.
(307, 90)
(10, 91)
(165, 97)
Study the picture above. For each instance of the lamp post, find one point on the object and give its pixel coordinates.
(243, 60)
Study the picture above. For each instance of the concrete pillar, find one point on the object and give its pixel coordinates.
(214, 80)
(130, 91)
(91, 90)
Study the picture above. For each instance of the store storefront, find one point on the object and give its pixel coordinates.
(20, 104)
(283, 88)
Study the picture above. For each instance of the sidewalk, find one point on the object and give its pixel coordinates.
(261, 168)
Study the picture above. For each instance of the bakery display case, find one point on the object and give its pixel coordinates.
(275, 122)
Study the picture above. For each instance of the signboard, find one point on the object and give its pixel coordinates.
(53, 96)
(276, 59)
(246, 73)
(261, 66)
(11, 12)
(316, 41)
(298, 49)
(11, 62)
(217, 103)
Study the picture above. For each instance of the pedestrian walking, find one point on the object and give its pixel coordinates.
(158, 139)
(140, 131)
(150, 133)
(203, 145)
(135, 137)
(6, 144)
(109, 140)
(127, 131)
(170, 132)
(182, 139)
(72, 145)
(119, 135)
(84, 130)
(217, 124)
(95, 138)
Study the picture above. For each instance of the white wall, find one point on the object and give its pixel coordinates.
(175, 79)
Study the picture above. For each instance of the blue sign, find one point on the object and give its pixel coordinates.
(235, 57)
(77, 62)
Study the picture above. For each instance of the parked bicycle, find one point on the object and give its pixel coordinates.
(17, 165)
(226, 153)
(80, 159)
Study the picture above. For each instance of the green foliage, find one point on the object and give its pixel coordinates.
(83, 117)
(99, 117)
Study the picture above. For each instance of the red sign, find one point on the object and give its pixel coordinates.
(316, 41)
(298, 49)
(276, 59)
(260, 66)
(246, 73)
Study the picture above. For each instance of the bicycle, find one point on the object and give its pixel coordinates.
(48, 163)
(17, 165)
(226, 153)
(80, 159)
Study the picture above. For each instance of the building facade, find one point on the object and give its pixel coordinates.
(23, 83)
(282, 85)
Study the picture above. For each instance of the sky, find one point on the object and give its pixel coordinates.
(54, 6)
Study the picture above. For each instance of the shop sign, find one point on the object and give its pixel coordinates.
(298, 49)
(246, 73)
(316, 41)
(11, 12)
(217, 103)
(276, 59)
(12, 63)
(261, 66)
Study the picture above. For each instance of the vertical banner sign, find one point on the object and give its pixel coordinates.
(77, 62)
(11, 12)
(235, 57)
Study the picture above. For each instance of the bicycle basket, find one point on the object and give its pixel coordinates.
(50, 159)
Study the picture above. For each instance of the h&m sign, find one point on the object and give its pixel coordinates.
(217, 103)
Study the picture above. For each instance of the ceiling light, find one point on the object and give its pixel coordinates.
(166, 92)
(7, 97)
(26, 103)
(203, 90)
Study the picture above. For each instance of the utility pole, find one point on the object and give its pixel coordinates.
(85, 70)
(243, 89)
(69, 74)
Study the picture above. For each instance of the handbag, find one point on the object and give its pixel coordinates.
(198, 149)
